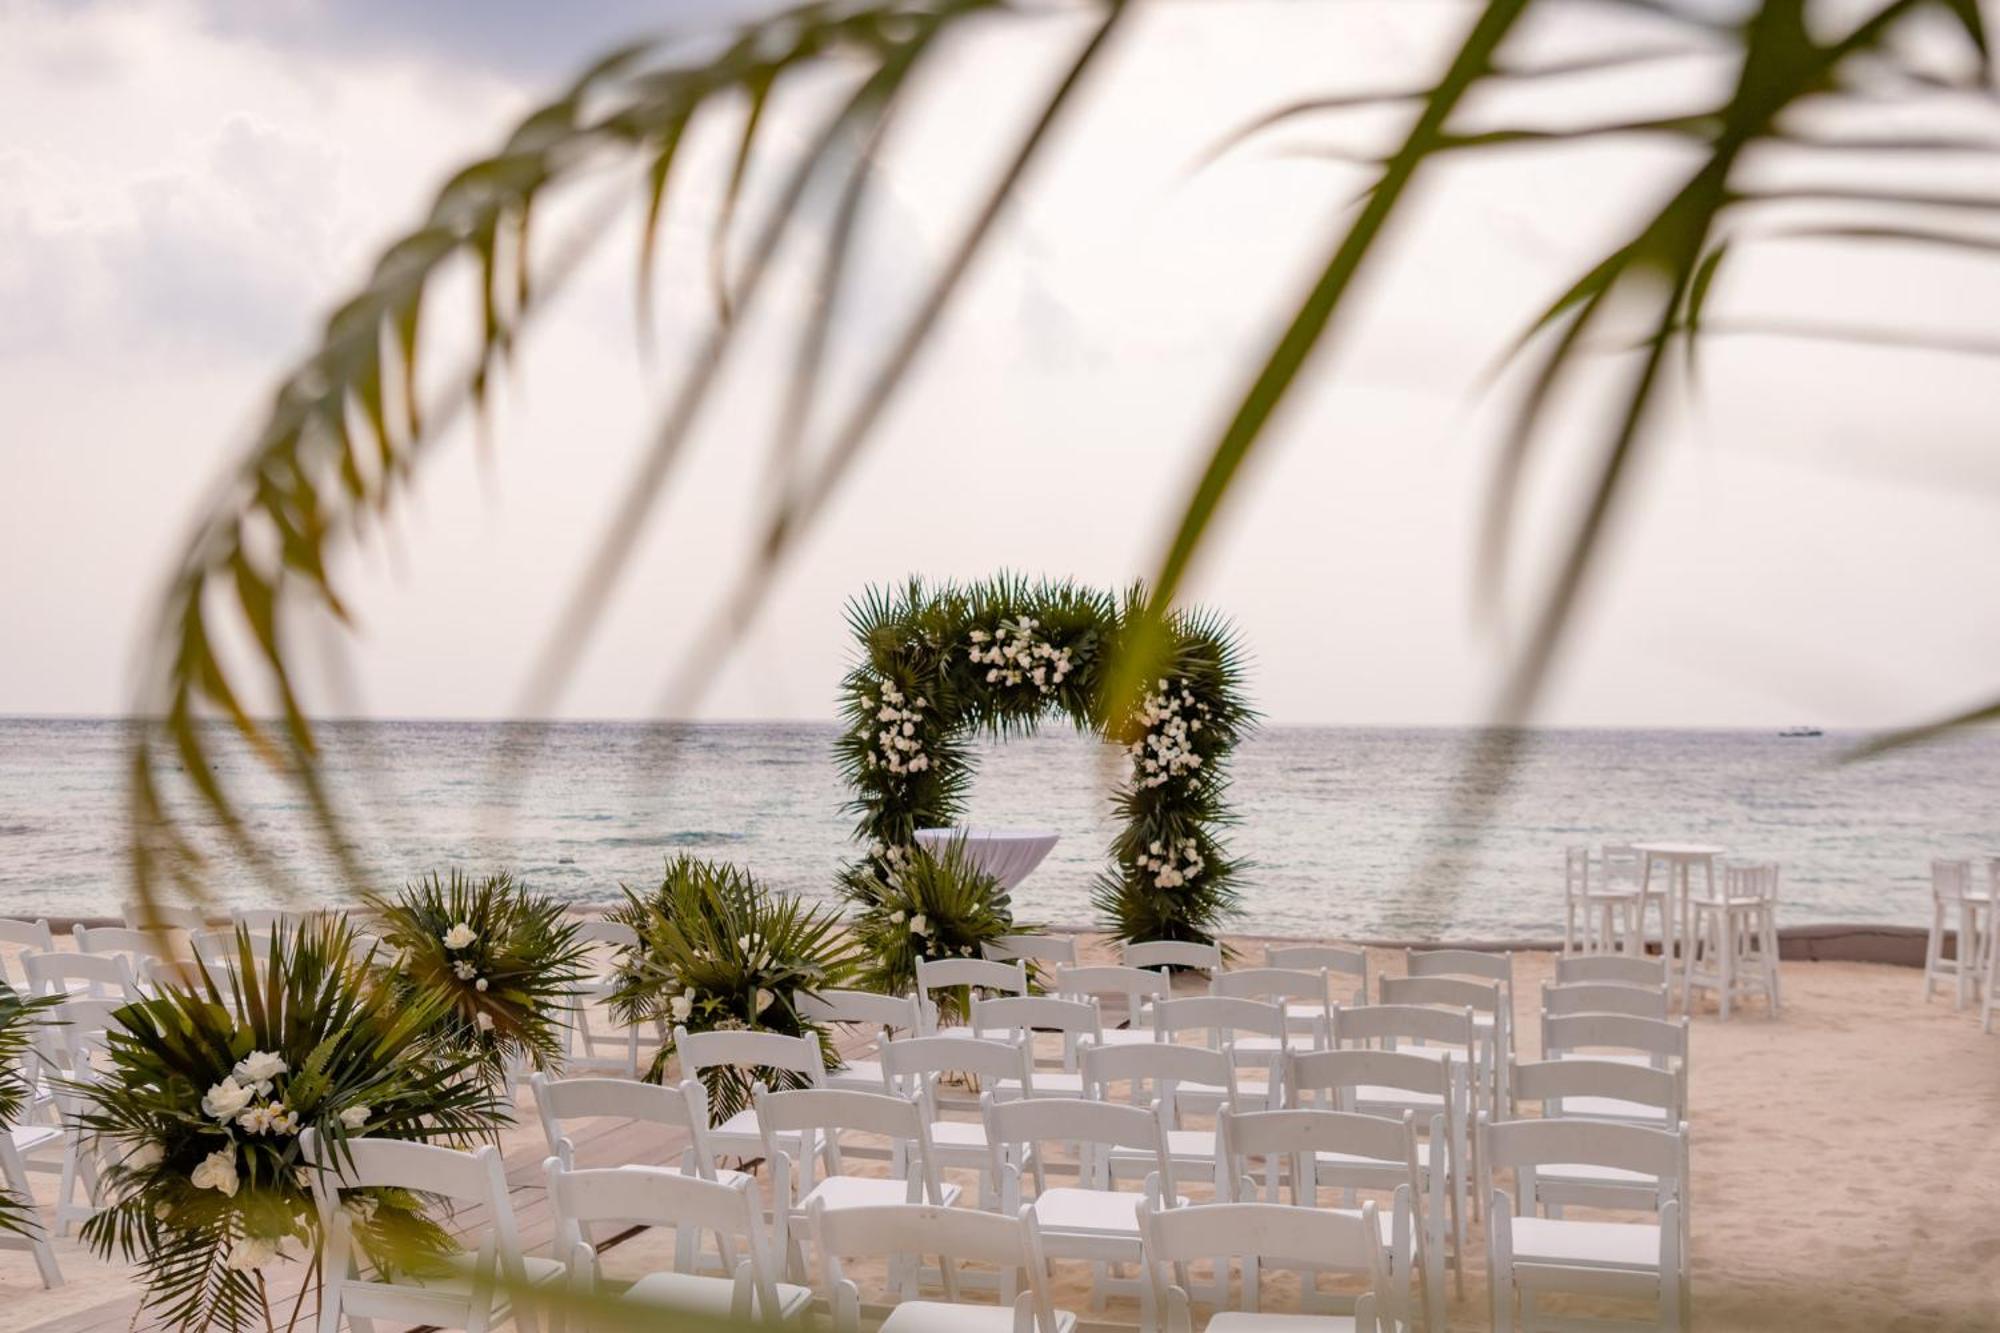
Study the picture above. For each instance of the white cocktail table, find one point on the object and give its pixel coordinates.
(1007, 854)
(1680, 859)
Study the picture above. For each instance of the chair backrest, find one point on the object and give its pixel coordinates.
(166, 915)
(617, 934)
(31, 934)
(1172, 953)
(1019, 1017)
(1951, 879)
(743, 1049)
(1622, 864)
(1155, 1071)
(1610, 969)
(1136, 985)
(891, 1013)
(1759, 879)
(1550, 1081)
(73, 1028)
(1388, 1024)
(1059, 949)
(1605, 997)
(829, 1112)
(1299, 1136)
(1484, 997)
(912, 1064)
(1272, 983)
(1661, 1041)
(1576, 871)
(977, 973)
(1219, 1015)
(1257, 1234)
(649, 1196)
(68, 973)
(1461, 963)
(1337, 959)
(218, 948)
(679, 1106)
(953, 1235)
(475, 1179)
(262, 920)
(1522, 1145)
(120, 939)
(1016, 1127)
(1338, 1072)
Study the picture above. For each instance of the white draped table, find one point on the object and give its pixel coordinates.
(1007, 854)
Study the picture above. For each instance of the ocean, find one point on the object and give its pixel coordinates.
(1337, 821)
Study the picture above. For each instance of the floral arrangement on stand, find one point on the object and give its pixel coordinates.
(502, 961)
(933, 905)
(940, 666)
(716, 950)
(201, 1103)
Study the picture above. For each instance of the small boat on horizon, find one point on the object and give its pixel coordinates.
(1797, 733)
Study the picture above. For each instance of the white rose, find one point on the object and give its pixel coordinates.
(480, 984)
(459, 936)
(484, 1020)
(260, 1067)
(255, 1120)
(682, 1006)
(764, 999)
(216, 1172)
(920, 924)
(225, 1099)
(354, 1117)
(252, 1252)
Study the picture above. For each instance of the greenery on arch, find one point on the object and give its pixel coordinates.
(942, 665)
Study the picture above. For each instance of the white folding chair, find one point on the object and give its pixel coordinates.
(1153, 1075)
(971, 975)
(1663, 1044)
(165, 916)
(136, 946)
(1137, 987)
(1012, 1244)
(1228, 1022)
(1336, 959)
(1307, 1149)
(1156, 954)
(1256, 1235)
(467, 1291)
(71, 1041)
(912, 1066)
(1734, 949)
(1056, 950)
(32, 935)
(802, 1057)
(823, 1115)
(1432, 1094)
(1529, 1254)
(81, 975)
(1624, 867)
(1611, 914)
(1492, 1007)
(649, 1196)
(887, 1014)
(1611, 969)
(15, 1143)
(1605, 997)
(1305, 994)
(1092, 1220)
(1017, 1018)
(1608, 1092)
(595, 989)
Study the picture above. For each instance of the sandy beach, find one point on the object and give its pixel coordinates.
(1846, 1164)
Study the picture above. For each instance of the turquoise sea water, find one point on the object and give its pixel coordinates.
(1336, 820)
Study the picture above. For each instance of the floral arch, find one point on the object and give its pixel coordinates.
(939, 665)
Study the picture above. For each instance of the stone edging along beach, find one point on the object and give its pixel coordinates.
(1898, 946)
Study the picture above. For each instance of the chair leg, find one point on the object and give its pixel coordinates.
(1933, 949)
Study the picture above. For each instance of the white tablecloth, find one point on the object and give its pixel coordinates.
(1007, 854)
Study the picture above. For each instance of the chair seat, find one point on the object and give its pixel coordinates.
(743, 1127)
(857, 1075)
(958, 1134)
(1582, 1173)
(455, 1277)
(1098, 1212)
(27, 1138)
(1188, 1143)
(1367, 1094)
(865, 1192)
(946, 1317)
(1050, 1083)
(1631, 1246)
(1339, 1160)
(1612, 1108)
(692, 1293)
(1259, 1321)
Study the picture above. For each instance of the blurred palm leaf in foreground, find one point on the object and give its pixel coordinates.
(348, 427)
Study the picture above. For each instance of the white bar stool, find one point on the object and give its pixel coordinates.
(1952, 891)
(1732, 944)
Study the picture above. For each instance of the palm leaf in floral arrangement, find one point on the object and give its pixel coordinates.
(503, 963)
(209, 1086)
(933, 905)
(717, 951)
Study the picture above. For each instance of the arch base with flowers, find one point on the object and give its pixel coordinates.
(940, 666)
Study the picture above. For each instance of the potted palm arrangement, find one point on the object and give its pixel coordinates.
(501, 963)
(936, 904)
(716, 950)
(201, 1103)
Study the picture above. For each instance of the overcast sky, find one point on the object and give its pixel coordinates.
(187, 186)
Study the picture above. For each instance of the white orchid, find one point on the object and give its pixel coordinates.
(225, 1099)
(460, 936)
(216, 1172)
(763, 999)
(464, 971)
(479, 985)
